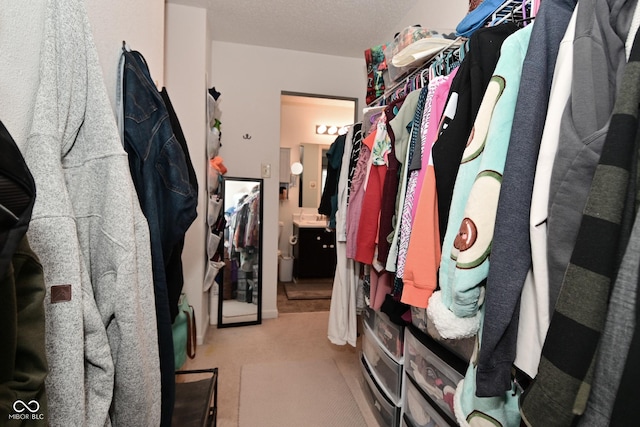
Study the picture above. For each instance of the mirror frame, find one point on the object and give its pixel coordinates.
(258, 320)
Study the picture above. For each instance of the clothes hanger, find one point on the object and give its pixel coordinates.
(422, 78)
(524, 19)
(452, 61)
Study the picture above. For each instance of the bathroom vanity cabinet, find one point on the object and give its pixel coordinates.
(315, 253)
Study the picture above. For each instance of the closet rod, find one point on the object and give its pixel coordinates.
(510, 10)
(454, 44)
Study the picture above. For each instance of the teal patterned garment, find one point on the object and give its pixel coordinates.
(467, 245)
(381, 144)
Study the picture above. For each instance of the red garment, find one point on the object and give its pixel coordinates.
(390, 187)
(370, 216)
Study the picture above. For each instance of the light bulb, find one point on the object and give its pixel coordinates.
(332, 130)
(321, 129)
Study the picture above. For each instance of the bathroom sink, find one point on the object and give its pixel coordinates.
(309, 220)
(310, 223)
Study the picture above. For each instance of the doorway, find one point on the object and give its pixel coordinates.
(300, 116)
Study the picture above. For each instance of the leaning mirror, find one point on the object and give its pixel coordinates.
(240, 290)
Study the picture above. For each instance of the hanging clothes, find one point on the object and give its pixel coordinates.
(510, 250)
(454, 310)
(160, 174)
(467, 90)
(599, 61)
(370, 218)
(469, 255)
(89, 233)
(342, 328)
(397, 133)
(574, 332)
(395, 181)
(356, 198)
(23, 360)
(420, 149)
(17, 189)
(353, 140)
(535, 314)
(328, 201)
(173, 267)
(423, 252)
(615, 343)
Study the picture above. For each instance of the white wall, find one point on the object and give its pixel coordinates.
(139, 23)
(186, 69)
(251, 79)
(435, 15)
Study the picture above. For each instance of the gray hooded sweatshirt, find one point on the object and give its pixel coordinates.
(92, 239)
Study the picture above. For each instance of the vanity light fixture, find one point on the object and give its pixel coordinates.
(331, 130)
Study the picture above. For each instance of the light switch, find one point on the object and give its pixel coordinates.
(266, 170)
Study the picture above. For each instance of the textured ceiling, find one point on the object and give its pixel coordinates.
(332, 27)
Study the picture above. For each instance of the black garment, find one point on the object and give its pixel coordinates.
(23, 364)
(17, 196)
(23, 358)
(173, 261)
(395, 309)
(329, 200)
(470, 84)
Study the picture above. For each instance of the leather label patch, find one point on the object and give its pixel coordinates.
(60, 293)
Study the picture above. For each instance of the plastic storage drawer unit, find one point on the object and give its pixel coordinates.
(386, 413)
(369, 318)
(387, 371)
(431, 374)
(390, 335)
(418, 409)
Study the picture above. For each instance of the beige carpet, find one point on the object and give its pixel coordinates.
(290, 337)
(309, 289)
(309, 393)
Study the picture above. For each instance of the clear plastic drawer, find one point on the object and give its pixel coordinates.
(386, 413)
(386, 370)
(418, 409)
(433, 375)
